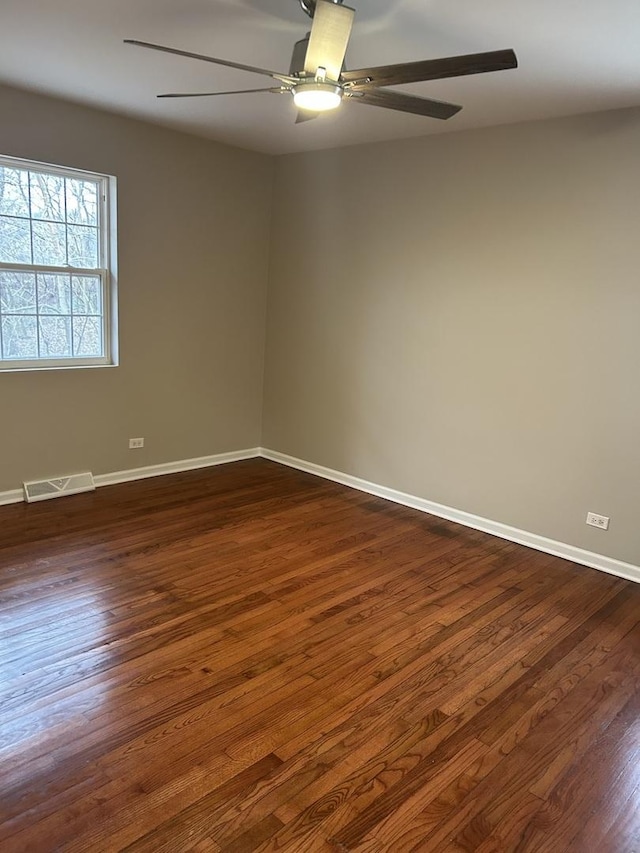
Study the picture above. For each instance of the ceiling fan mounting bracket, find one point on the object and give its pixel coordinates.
(354, 84)
(309, 6)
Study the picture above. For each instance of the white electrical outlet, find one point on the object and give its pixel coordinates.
(135, 443)
(599, 521)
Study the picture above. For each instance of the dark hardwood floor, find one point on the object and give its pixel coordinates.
(250, 658)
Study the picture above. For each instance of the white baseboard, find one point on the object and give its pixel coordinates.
(12, 497)
(17, 495)
(495, 528)
(532, 540)
(175, 467)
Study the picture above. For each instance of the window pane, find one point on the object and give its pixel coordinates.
(55, 337)
(19, 337)
(82, 202)
(49, 244)
(87, 295)
(54, 229)
(47, 197)
(87, 336)
(54, 294)
(17, 293)
(15, 240)
(14, 191)
(83, 246)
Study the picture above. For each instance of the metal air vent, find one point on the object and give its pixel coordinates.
(42, 490)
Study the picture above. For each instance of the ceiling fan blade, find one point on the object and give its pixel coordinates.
(276, 75)
(305, 115)
(433, 69)
(211, 94)
(405, 103)
(330, 34)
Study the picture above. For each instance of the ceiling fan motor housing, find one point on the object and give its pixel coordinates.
(298, 56)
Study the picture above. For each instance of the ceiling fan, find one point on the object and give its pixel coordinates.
(319, 80)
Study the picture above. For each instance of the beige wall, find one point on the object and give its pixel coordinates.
(455, 317)
(458, 317)
(193, 221)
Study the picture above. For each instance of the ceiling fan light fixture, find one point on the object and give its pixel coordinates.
(317, 97)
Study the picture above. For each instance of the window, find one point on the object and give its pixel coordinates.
(57, 288)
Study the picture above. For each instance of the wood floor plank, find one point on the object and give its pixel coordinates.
(248, 658)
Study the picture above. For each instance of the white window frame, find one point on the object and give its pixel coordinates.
(106, 272)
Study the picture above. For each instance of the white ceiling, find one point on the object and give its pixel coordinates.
(575, 56)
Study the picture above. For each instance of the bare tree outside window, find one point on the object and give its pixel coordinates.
(54, 274)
